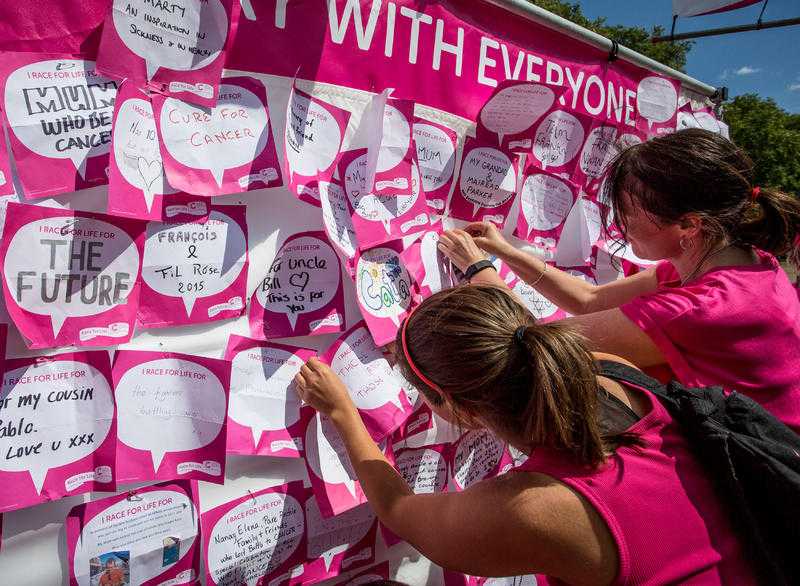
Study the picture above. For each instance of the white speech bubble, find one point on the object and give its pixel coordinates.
(545, 202)
(395, 139)
(365, 372)
(47, 405)
(254, 537)
(136, 149)
(231, 134)
(70, 267)
(656, 99)
(326, 454)
(66, 115)
(336, 217)
(478, 453)
(383, 284)
(140, 527)
(598, 151)
(262, 390)
(303, 278)
(313, 136)
(435, 264)
(488, 178)
(330, 537)
(529, 580)
(191, 261)
(378, 208)
(436, 156)
(687, 120)
(558, 139)
(539, 305)
(425, 471)
(182, 36)
(706, 121)
(516, 108)
(169, 405)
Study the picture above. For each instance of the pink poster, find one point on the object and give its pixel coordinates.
(507, 119)
(225, 149)
(437, 146)
(477, 455)
(314, 134)
(657, 103)
(302, 293)
(177, 49)
(368, 576)
(71, 278)
(59, 426)
(265, 416)
(384, 290)
(427, 265)
(545, 201)
(376, 392)
(540, 306)
(256, 537)
(486, 185)
(148, 536)
(338, 544)
(137, 186)
(337, 218)
(419, 421)
(598, 151)
(380, 218)
(173, 409)
(333, 480)
(395, 156)
(6, 179)
(58, 111)
(195, 272)
(558, 139)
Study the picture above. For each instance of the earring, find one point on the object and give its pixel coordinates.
(684, 245)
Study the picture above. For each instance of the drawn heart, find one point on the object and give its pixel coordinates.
(299, 280)
(149, 170)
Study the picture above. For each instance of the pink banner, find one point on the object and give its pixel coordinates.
(313, 140)
(225, 149)
(419, 421)
(255, 538)
(384, 290)
(58, 111)
(173, 409)
(487, 184)
(302, 292)
(437, 146)
(176, 49)
(71, 278)
(148, 536)
(6, 180)
(195, 272)
(59, 428)
(265, 416)
(376, 392)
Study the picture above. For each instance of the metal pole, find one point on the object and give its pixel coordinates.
(539, 15)
(728, 30)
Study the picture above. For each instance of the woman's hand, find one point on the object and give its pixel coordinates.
(487, 237)
(319, 386)
(460, 248)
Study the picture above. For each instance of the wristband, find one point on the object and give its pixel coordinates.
(477, 267)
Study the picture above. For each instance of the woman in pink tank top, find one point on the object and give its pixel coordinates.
(717, 309)
(610, 493)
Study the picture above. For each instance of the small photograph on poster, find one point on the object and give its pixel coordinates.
(110, 569)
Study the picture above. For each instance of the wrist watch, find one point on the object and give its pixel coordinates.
(477, 267)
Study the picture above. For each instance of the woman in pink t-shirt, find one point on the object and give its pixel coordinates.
(717, 309)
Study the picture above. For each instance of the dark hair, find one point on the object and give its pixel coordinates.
(541, 390)
(697, 171)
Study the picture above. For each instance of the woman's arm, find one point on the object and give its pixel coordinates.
(514, 525)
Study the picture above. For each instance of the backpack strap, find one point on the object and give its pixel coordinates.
(635, 378)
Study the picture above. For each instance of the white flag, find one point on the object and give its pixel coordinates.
(702, 7)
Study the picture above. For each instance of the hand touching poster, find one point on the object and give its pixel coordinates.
(265, 417)
(226, 149)
(149, 536)
(302, 292)
(427, 265)
(178, 48)
(71, 277)
(58, 111)
(195, 272)
(57, 428)
(172, 412)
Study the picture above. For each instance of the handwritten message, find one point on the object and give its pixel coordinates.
(336, 218)
(476, 457)
(486, 186)
(514, 108)
(559, 138)
(436, 157)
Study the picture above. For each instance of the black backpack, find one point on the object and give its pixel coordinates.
(752, 458)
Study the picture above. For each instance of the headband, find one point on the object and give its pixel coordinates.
(755, 193)
(410, 362)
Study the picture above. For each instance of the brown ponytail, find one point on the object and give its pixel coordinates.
(539, 388)
(695, 171)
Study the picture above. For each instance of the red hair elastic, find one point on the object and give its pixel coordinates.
(755, 193)
(410, 362)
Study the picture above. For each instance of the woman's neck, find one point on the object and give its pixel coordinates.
(693, 263)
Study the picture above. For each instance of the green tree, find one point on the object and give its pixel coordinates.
(771, 136)
(633, 37)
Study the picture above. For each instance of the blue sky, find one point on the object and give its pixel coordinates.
(766, 62)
